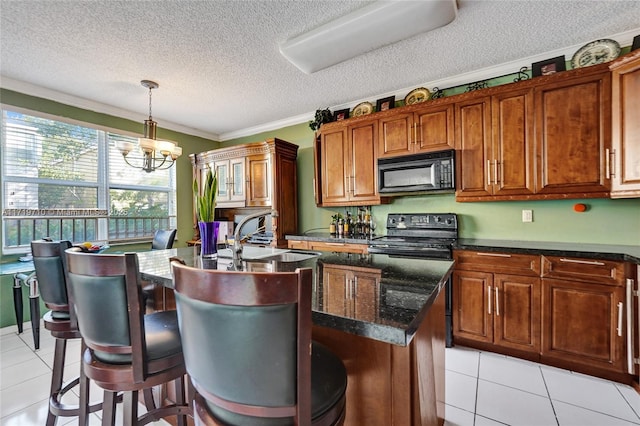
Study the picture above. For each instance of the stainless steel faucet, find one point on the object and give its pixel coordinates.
(237, 240)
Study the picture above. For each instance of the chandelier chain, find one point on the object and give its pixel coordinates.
(150, 90)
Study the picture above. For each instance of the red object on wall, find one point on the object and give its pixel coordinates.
(580, 208)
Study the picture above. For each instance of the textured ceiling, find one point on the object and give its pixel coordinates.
(218, 64)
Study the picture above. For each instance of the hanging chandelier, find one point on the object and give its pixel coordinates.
(154, 154)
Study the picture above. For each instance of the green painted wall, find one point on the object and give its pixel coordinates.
(605, 221)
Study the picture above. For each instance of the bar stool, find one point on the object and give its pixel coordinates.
(127, 351)
(247, 344)
(49, 263)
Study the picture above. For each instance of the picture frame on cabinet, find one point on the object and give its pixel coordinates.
(385, 104)
(636, 43)
(341, 114)
(548, 66)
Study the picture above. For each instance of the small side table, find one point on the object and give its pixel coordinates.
(30, 281)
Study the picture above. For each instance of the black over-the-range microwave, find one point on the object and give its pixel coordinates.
(428, 172)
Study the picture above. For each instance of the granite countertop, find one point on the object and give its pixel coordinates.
(622, 253)
(406, 288)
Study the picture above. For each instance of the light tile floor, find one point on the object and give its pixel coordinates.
(482, 389)
(25, 377)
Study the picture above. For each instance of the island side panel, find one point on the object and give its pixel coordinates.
(391, 385)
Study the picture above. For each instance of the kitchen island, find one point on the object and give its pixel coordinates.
(383, 316)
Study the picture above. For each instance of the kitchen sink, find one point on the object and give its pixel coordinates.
(292, 256)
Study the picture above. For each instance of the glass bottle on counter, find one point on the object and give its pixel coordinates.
(340, 227)
(348, 226)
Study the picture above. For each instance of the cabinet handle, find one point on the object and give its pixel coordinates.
(584, 262)
(495, 172)
(488, 172)
(630, 353)
(611, 161)
(489, 297)
(334, 244)
(497, 301)
(619, 327)
(492, 254)
(606, 163)
(353, 184)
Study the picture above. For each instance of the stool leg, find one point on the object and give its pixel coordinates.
(130, 409)
(17, 303)
(34, 305)
(56, 376)
(83, 415)
(180, 399)
(109, 409)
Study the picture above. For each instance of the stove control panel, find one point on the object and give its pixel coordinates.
(422, 221)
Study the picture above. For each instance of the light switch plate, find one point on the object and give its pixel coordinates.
(527, 215)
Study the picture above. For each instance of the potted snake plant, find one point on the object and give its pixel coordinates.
(205, 200)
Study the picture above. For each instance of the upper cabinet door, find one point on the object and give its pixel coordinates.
(362, 184)
(434, 128)
(334, 165)
(258, 181)
(473, 142)
(397, 135)
(573, 131)
(625, 153)
(513, 148)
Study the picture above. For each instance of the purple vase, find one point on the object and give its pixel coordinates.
(208, 238)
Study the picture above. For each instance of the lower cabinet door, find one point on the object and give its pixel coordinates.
(472, 307)
(580, 323)
(516, 321)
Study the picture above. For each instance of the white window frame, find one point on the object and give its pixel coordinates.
(102, 213)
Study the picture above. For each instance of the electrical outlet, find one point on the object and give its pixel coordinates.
(527, 215)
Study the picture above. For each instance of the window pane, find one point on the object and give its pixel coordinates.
(49, 196)
(40, 148)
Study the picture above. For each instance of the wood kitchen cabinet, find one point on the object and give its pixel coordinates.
(624, 159)
(351, 291)
(496, 300)
(348, 164)
(584, 312)
(255, 176)
(573, 134)
(429, 128)
(544, 138)
(495, 139)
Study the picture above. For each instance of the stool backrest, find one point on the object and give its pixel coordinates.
(163, 239)
(50, 266)
(105, 296)
(255, 328)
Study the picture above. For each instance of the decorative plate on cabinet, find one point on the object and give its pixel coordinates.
(363, 108)
(596, 52)
(416, 96)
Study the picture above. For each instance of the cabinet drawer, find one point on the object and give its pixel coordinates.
(580, 269)
(339, 247)
(299, 245)
(496, 262)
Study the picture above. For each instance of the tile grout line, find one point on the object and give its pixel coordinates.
(553, 407)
